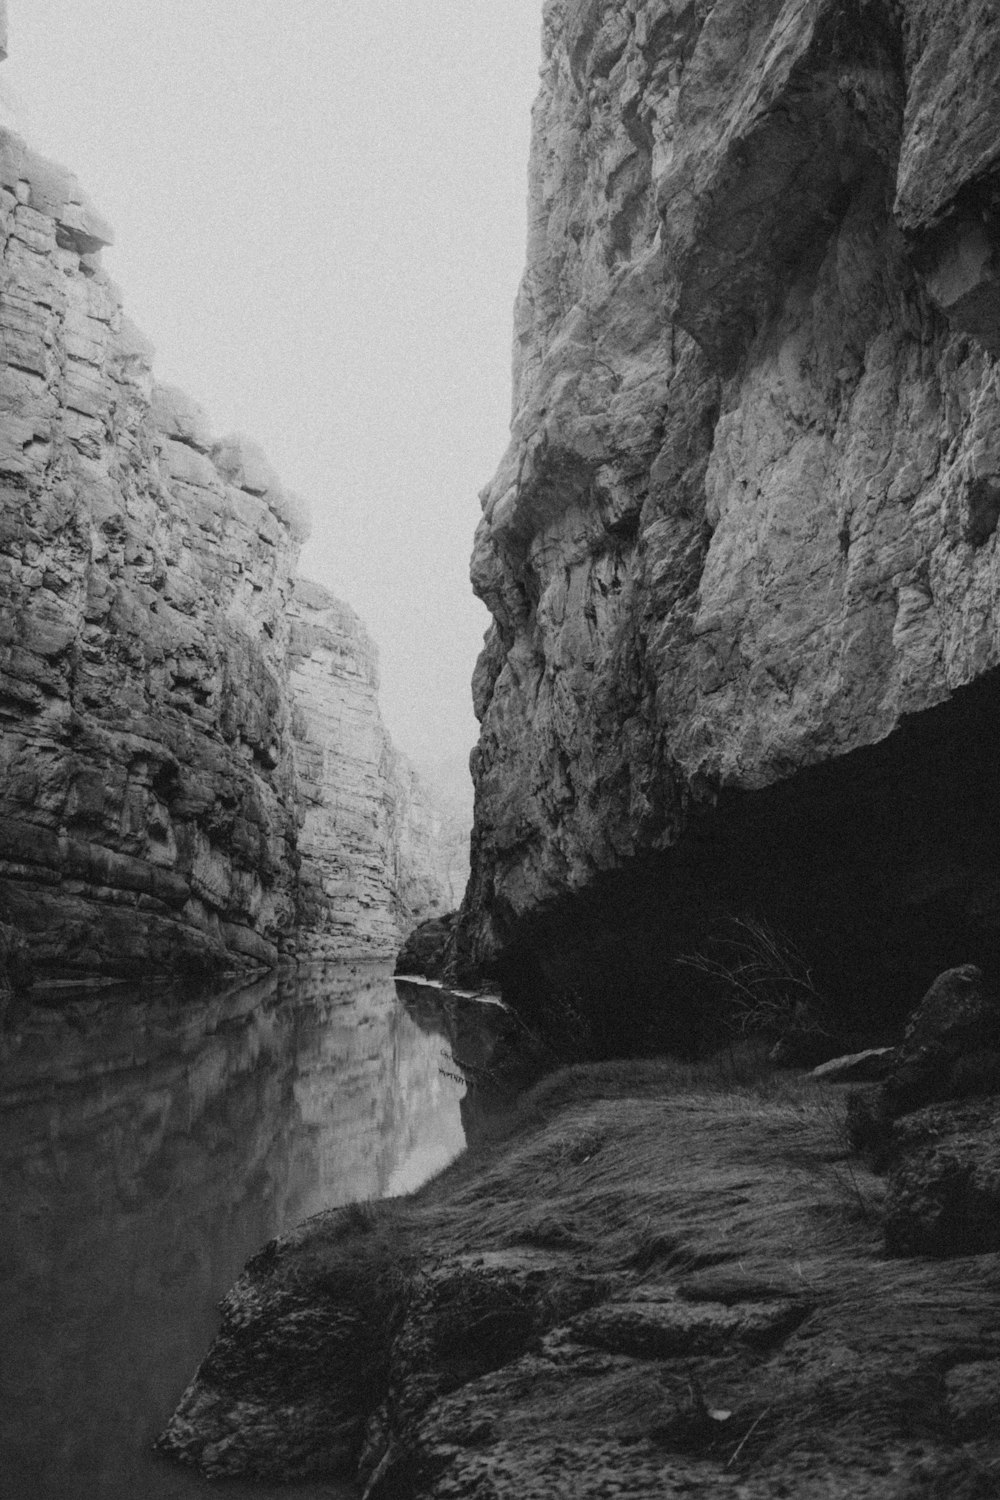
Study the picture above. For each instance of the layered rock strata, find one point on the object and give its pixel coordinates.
(747, 521)
(377, 850)
(151, 785)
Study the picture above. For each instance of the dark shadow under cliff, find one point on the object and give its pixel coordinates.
(882, 867)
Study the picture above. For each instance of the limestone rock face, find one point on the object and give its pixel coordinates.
(747, 520)
(151, 779)
(147, 776)
(378, 852)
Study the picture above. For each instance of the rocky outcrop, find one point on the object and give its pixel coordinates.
(152, 782)
(943, 1195)
(954, 1029)
(741, 554)
(653, 1287)
(426, 950)
(935, 1122)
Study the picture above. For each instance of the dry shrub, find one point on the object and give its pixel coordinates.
(761, 984)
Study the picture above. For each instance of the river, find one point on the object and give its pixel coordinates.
(149, 1143)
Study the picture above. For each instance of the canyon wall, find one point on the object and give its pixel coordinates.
(152, 782)
(378, 852)
(741, 553)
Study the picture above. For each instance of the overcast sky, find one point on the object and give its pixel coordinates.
(320, 217)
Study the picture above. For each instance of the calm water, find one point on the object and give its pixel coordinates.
(147, 1148)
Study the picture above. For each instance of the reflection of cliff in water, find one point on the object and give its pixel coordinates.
(482, 1052)
(147, 1150)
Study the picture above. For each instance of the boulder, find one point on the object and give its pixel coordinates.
(426, 948)
(944, 1183)
(934, 1126)
(957, 1022)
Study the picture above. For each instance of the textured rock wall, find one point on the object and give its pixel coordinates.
(746, 522)
(149, 801)
(378, 854)
(146, 779)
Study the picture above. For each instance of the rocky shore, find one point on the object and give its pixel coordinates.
(660, 1279)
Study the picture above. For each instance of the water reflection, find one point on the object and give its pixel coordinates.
(147, 1149)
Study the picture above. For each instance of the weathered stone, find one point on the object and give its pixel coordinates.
(783, 111)
(745, 529)
(378, 852)
(858, 1067)
(956, 1020)
(427, 947)
(498, 1366)
(944, 1184)
(669, 1328)
(159, 807)
(394, 1337)
(952, 61)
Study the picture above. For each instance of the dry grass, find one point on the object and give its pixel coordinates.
(718, 1181)
(620, 1156)
(762, 983)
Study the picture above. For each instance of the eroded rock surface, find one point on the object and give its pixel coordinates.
(934, 1123)
(747, 521)
(944, 1181)
(955, 1027)
(646, 1290)
(161, 709)
(378, 851)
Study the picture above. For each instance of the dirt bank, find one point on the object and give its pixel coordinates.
(663, 1280)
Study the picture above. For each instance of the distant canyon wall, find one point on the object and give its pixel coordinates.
(376, 846)
(745, 531)
(162, 704)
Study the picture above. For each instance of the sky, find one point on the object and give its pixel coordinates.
(319, 208)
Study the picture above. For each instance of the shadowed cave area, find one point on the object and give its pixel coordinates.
(882, 867)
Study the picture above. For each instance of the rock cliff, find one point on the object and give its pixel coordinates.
(155, 764)
(741, 553)
(377, 850)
